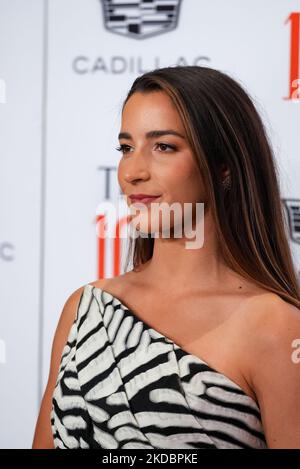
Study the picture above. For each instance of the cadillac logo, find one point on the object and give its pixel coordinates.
(293, 211)
(140, 18)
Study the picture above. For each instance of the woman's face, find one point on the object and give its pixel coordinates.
(156, 165)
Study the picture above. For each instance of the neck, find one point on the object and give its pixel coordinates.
(177, 267)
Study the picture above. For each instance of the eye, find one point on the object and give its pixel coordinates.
(172, 147)
(122, 148)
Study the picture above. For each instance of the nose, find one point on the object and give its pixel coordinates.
(136, 168)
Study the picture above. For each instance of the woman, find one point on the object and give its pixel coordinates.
(192, 348)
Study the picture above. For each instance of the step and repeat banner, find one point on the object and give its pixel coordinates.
(65, 69)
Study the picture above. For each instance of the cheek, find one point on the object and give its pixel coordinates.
(191, 178)
(182, 178)
(175, 171)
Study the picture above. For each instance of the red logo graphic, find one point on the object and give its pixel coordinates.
(294, 80)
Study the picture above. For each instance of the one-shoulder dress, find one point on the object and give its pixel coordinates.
(122, 384)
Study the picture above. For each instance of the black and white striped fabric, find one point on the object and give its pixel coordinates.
(122, 384)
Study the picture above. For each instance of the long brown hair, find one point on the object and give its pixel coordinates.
(223, 127)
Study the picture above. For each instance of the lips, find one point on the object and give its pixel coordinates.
(143, 200)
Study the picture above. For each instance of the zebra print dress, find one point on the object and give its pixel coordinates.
(122, 384)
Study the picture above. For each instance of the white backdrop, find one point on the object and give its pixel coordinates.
(64, 72)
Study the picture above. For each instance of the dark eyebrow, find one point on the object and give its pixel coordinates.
(152, 134)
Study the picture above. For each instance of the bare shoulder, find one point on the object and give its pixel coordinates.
(270, 344)
(68, 315)
(43, 437)
(65, 322)
(267, 321)
(116, 285)
(103, 283)
(268, 313)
